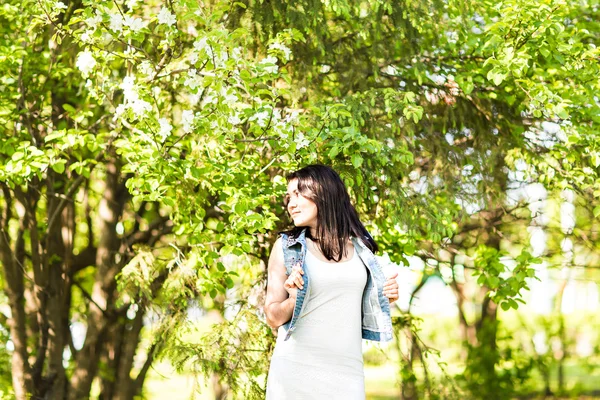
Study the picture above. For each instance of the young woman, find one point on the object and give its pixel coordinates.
(325, 293)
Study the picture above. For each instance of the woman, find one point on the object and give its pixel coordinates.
(325, 293)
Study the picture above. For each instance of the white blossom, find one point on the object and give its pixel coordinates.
(236, 53)
(437, 79)
(129, 91)
(223, 56)
(191, 30)
(165, 17)
(234, 120)
(276, 114)
(479, 19)
(86, 37)
(452, 36)
(89, 85)
(193, 80)
(229, 98)
(200, 44)
(283, 48)
(93, 22)
(301, 141)
(210, 98)
(261, 118)
(116, 22)
(292, 116)
(476, 30)
(165, 128)
(271, 69)
(132, 99)
(146, 68)
(60, 5)
(120, 110)
(131, 3)
(281, 129)
(135, 24)
(140, 107)
(550, 127)
(187, 120)
(85, 62)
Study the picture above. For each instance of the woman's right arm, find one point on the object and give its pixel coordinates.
(281, 289)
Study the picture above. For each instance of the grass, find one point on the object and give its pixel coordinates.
(381, 383)
(164, 383)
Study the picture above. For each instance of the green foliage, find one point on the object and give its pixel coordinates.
(427, 108)
(416, 359)
(5, 363)
(237, 351)
(505, 284)
(495, 372)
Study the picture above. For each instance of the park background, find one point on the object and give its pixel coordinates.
(144, 149)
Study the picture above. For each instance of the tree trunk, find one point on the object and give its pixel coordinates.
(101, 312)
(467, 330)
(13, 275)
(562, 335)
(53, 283)
(409, 386)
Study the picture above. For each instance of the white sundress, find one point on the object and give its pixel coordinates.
(322, 359)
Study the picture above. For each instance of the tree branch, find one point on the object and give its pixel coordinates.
(75, 185)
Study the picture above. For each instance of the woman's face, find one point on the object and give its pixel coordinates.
(302, 210)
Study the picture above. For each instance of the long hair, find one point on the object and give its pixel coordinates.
(337, 219)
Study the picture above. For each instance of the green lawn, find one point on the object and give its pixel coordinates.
(164, 383)
(381, 383)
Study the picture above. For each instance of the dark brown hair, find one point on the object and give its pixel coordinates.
(337, 219)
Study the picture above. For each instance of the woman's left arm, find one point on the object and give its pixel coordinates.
(390, 288)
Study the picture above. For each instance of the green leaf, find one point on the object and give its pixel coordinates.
(69, 108)
(493, 282)
(334, 151)
(409, 249)
(467, 87)
(59, 166)
(357, 160)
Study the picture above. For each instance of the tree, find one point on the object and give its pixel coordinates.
(147, 144)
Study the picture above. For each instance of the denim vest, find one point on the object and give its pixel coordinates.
(376, 320)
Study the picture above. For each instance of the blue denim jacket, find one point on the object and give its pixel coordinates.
(376, 320)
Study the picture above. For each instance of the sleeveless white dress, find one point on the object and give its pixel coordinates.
(322, 359)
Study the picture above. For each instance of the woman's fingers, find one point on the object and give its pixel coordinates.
(391, 280)
(295, 279)
(390, 288)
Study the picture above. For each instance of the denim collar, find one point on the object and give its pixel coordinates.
(300, 239)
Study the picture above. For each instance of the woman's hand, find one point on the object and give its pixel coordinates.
(294, 281)
(390, 288)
